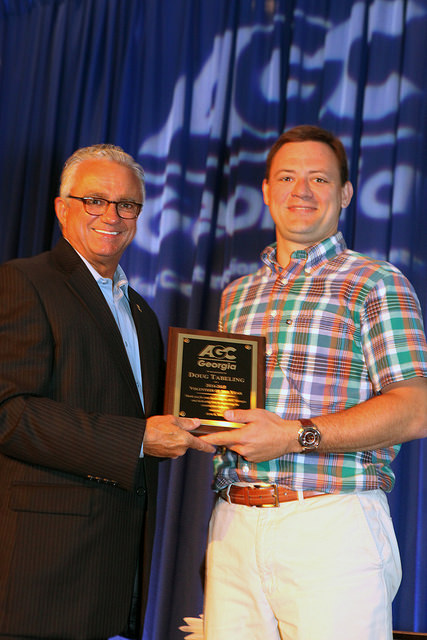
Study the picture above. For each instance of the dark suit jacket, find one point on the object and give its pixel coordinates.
(77, 503)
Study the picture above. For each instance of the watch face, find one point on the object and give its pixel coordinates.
(309, 437)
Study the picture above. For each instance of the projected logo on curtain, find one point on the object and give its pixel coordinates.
(204, 222)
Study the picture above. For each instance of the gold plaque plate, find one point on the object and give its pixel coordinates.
(208, 372)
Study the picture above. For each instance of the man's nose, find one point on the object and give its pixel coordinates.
(110, 214)
(301, 188)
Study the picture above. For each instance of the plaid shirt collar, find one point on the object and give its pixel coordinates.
(312, 257)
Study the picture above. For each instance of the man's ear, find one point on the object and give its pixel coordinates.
(61, 210)
(346, 194)
(266, 192)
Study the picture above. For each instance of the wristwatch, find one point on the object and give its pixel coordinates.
(309, 435)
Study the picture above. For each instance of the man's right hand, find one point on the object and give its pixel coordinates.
(170, 437)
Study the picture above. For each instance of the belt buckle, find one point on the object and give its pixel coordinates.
(227, 493)
(276, 502)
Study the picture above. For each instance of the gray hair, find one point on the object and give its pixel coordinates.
(105, 151)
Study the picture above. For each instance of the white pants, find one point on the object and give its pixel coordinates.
(324, 568)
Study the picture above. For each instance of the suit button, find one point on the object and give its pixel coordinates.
(141, 491)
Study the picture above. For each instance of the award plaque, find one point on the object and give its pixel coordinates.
(208, 372)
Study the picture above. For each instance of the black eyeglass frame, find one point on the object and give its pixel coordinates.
(115, 202)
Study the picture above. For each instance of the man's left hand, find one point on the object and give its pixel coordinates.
(263, 435)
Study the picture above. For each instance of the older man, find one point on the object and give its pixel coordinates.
(346, 382)
(81, 382)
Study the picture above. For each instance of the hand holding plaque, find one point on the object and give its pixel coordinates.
(209, 372)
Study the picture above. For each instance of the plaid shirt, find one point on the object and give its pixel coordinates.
(339, 326)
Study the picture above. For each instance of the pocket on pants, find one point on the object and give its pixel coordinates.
(379, 527)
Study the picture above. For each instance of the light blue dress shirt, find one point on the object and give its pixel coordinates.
(115, 293)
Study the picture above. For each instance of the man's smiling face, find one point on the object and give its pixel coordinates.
(100, 239)
(305, 195)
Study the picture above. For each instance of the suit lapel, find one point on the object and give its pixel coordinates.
(86, 289)
(145, 349)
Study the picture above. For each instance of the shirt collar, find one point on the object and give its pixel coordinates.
(120, 280)
(313, 256)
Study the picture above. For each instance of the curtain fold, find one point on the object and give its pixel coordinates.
(198, 91)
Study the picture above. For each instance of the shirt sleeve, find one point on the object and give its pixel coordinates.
(392, 332)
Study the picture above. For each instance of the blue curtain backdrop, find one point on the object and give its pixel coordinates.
(198, 90)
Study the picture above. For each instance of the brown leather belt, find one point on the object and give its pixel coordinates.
(258, 495)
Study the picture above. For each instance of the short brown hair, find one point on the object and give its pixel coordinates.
(306, 133)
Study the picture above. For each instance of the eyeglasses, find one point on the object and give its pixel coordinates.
(98, 206)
